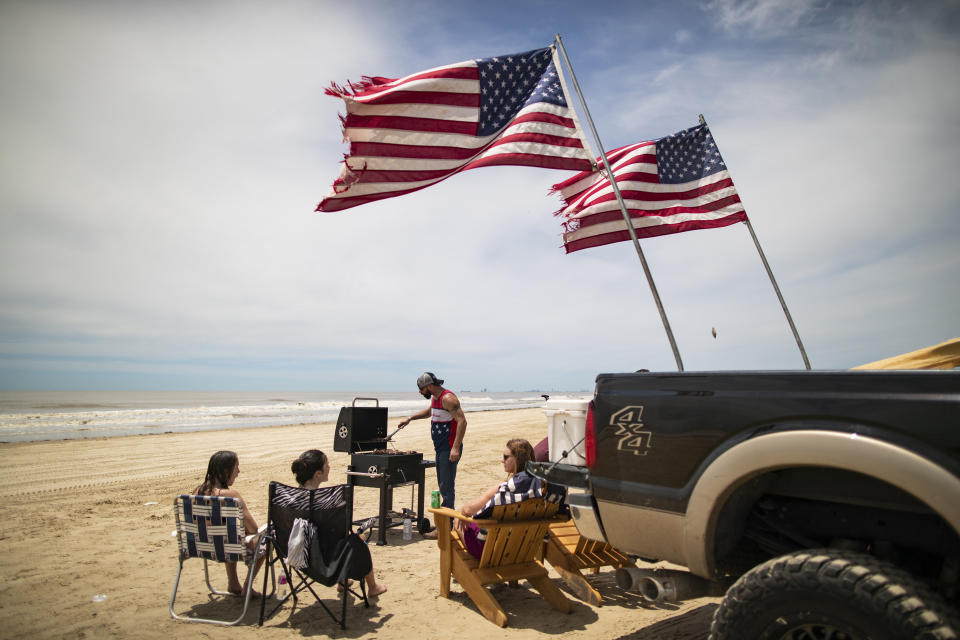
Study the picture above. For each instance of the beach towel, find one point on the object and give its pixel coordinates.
(301, 533)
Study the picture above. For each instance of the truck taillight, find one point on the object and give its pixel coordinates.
(590, 438)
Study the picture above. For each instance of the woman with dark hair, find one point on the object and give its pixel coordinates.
(518, 486)
(311, 470)
(222, 471)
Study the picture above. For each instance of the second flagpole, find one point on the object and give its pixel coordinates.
(776, 287)
(623, 206)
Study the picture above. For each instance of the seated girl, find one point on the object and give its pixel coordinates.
(518, 486)
(312, 469)
(222, 471)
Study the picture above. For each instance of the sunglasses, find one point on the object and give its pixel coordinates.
(507, 456)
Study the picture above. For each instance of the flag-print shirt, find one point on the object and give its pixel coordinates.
(523, 486)
(442, 422)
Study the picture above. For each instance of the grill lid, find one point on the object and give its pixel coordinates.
(361, 428)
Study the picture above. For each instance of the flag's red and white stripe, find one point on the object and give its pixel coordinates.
(409, 133)
(592, 215)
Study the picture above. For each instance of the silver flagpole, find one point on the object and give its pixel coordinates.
(623, 207)
(773, 281)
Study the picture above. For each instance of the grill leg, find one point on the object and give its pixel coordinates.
(386, 495)
(351, 480)
(420, 483)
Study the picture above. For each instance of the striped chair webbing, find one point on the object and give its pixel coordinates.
(211, 527)
(298, 499)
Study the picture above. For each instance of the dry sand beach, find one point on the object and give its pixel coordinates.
(88, 517)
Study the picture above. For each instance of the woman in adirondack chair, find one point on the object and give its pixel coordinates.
(518, 486)
(312, 469)
(222, 471)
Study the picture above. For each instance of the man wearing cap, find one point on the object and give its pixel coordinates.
(447, 426)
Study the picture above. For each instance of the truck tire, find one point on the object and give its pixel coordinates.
(817, 594)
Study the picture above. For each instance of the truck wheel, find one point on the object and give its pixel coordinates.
(818, 594)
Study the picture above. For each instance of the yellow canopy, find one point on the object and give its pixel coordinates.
(945, 355)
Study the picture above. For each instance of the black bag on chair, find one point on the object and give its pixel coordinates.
(346, 558)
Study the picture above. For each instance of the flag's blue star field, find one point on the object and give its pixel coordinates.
(509, 83)
(688, 155)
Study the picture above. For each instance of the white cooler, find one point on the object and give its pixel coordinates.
(566, 424)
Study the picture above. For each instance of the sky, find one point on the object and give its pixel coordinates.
(161, 162)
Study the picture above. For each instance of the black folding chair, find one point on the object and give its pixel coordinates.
(334, 554)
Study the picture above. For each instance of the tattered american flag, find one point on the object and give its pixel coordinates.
(410, 133)
(674, 184)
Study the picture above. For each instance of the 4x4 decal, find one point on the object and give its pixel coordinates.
(630, 430)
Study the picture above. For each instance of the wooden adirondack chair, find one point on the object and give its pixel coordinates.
(568, 553)
(512, 552)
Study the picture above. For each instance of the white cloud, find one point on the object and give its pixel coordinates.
(667, 74)
(769, 17)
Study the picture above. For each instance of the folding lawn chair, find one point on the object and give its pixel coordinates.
(333, 553)
(211, 528)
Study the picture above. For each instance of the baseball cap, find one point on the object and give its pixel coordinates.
(427, 378)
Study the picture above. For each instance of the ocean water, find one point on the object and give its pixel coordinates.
(54, 415)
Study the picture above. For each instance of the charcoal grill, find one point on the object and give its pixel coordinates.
(361, 431)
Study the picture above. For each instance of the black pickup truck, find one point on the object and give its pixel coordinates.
(823, 504)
